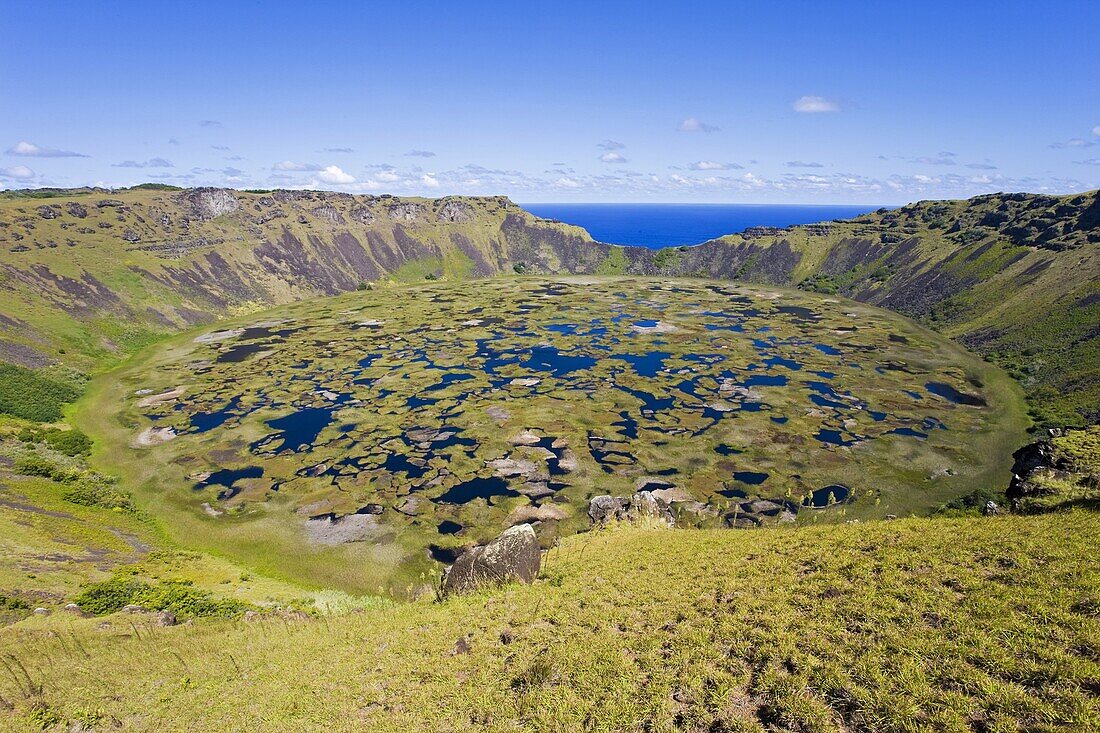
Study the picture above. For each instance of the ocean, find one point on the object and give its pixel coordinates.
(665, 225)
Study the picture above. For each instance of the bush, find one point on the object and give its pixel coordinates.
(971, 502)
(33, 464)
(27, 394)
(114, 594)
(109, 596)
(83, 487)
(13, 603)
(154, 187)
(68, 442)
(667, 259)
(97, 490)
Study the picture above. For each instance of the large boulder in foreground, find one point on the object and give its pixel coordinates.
(513, 556)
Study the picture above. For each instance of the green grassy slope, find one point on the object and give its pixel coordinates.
(63, 526)
(956, 625)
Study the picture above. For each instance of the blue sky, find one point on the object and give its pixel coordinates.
(705, 102)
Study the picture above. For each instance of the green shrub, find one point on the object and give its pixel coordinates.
(33, 464)
(110, 595)
(27, 394)
(971, 502)
(819, 284)
(667, 259)
(97, 490)
(154, 187)
(81, 486)
(13, 603)
(69, 442)
(114, 594)
(615, 263)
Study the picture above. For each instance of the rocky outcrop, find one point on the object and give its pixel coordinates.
(644, 507)
(362, 215)
(1029, 462)
(758, 512)
(209, 203)
(1033, 467)
(329, 214)
(511, 557)
(1060, 473)
(532, 514)
(455, 212)
(405, 212)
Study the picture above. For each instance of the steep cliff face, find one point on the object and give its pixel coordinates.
(90, 274)
(86, 274)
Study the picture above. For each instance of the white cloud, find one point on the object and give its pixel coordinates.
(1073, 142)
(694, 124)
(210, 123)
(612, 158)
(811, 103)
(151, 163)
(429, 180)
(982, 166)
(803, 164)
(290, 165)
(616, 145)
(940, 159)
(566, 182)
(388, 176)
(30, 150)
(333, 174)
(420, 154)
(710, 165)
(367, 185)
(18, 172)
(1088, 161)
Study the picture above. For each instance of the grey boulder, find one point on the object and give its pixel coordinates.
(643, 506)
(513, 556)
